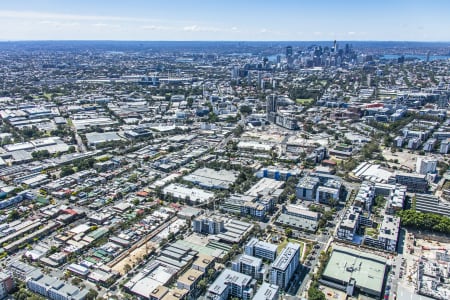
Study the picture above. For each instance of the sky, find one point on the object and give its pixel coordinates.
(226, 20)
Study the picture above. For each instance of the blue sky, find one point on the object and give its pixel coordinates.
(263, 20)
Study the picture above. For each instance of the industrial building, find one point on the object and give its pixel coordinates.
(212, 179)
(351, 270)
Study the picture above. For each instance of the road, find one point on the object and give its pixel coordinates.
(323, 241)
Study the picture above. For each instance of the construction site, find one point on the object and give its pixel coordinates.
(427, 267)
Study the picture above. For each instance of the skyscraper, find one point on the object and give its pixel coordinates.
(271, 107)
(235, 73)
(335, 47)
(289, 51)
(289, 56)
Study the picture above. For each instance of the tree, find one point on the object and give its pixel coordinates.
(292, 198)
(53, 249)
(424, 221)
(257, 229)
(76, 281)
(332, 202)
(238, 130)
(211, 273)
(92, 294)
(13, 215)
(245, 109)
(72, 149)
(127, 268)
(212, 117)
(315, 294)
(40, 154)
(288, 232)
(202, 284)
(163, 242)
(379, 201)
(66, 171)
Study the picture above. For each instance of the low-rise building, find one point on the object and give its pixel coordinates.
(299, 217)
(21, 270)
(301, 212)
(52, 288)
(211, 179)
(351, 270)
(203, 262)
(189, 280)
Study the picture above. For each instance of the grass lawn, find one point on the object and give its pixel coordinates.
(48, 96)
(371, 232)
(304, 101)
(284, 243)
(281, 246)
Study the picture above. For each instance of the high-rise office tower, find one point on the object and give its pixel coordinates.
(289, 56)
(289, 51)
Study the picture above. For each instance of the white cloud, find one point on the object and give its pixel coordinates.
(106, 25)
(190, 28)
(48, 22)
(57, 24)
(351, 33)
(196, 28)
(155, 27)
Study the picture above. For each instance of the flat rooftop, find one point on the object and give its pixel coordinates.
(267, 291)
(367, 269)
(212, 178)
(183, 192)
(287, 254)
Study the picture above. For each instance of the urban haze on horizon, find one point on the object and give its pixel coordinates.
(224, 150)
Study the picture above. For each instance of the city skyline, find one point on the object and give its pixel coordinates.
(225, 21)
